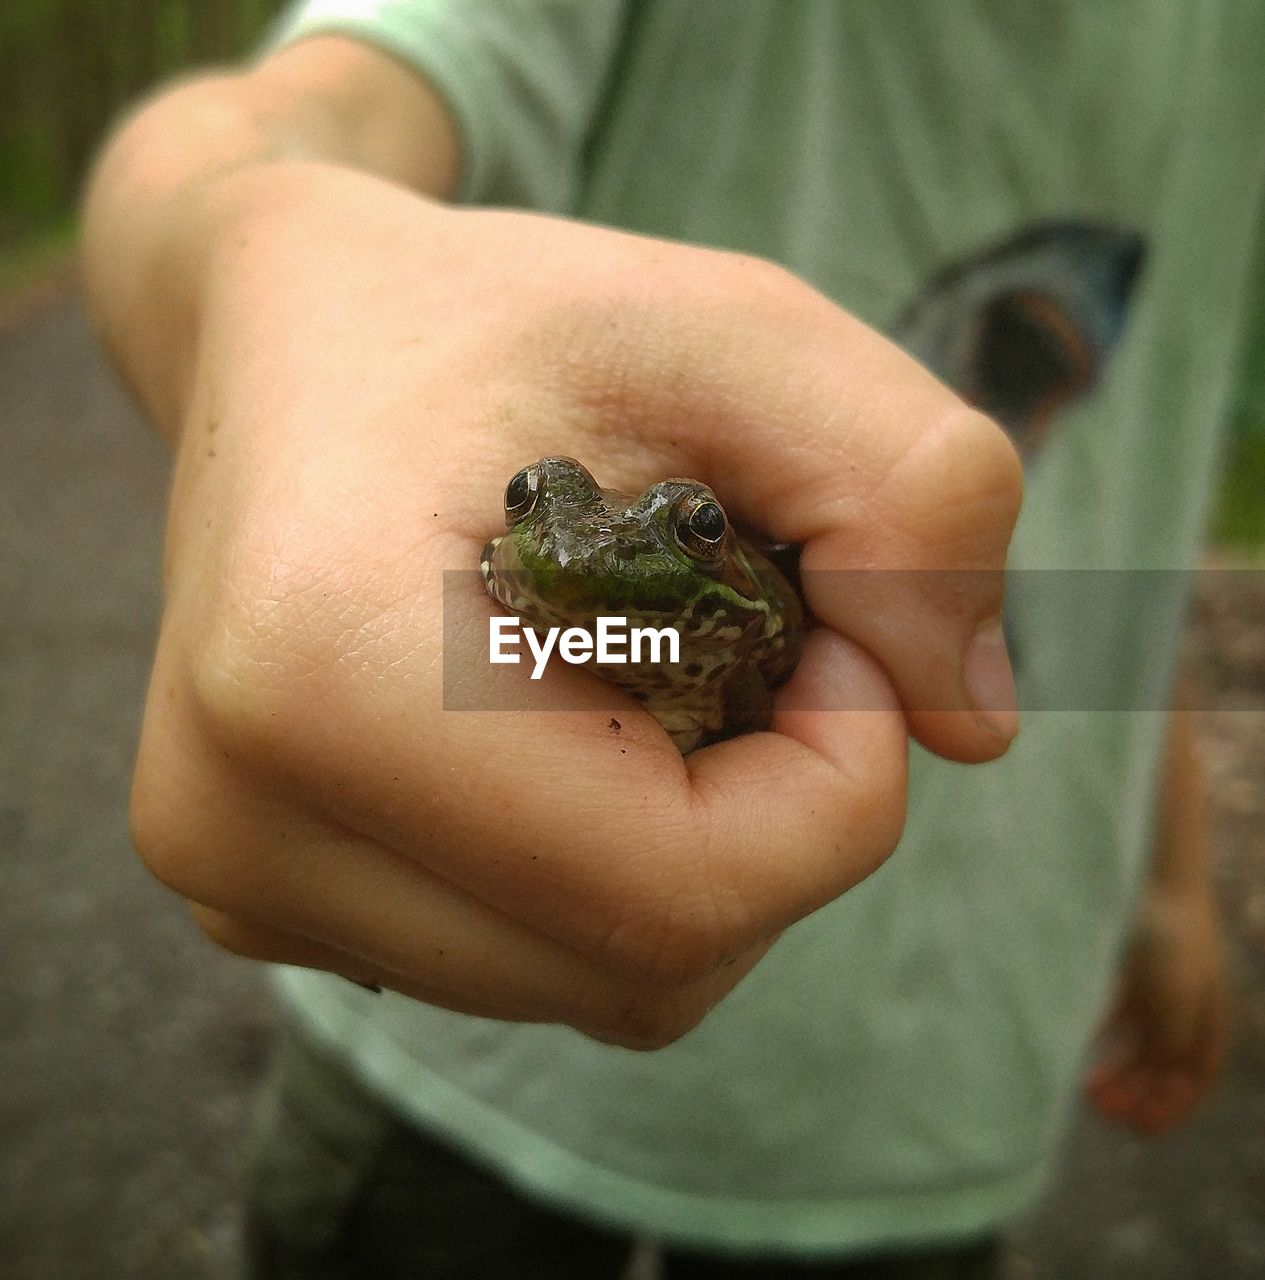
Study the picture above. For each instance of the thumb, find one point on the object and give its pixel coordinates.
(903, 497)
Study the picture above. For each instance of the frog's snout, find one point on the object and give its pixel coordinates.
(487, 561)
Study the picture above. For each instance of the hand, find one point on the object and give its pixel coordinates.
(369, 369)
(1165, 1037)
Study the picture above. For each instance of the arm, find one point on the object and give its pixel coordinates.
(348, 371)
(1167, 1031)
(152, 210)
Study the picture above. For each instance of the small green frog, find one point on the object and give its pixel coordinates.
(573, 552)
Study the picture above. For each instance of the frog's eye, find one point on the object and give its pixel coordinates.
(701, 528)
(521, 495)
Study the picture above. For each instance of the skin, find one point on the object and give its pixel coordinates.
(346, 370)
(573, 552)
(1165, 1035)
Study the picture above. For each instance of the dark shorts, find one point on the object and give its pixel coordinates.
(340, 1188)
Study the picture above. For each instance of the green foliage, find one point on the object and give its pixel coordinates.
(28, 163)
(1240, 518)
(67, 67)
(29, 26)
(36, 257)
(1249, 411)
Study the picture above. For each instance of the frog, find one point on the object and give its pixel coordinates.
(573, 551)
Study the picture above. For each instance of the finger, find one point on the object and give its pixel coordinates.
(393, 927)
(680, 865)
(1145, 1096)
(224, 843)
(634, 1020)
(645, 356)
(815, 427)
(278, 946)
(604, 840)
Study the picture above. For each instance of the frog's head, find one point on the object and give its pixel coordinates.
(573, 551)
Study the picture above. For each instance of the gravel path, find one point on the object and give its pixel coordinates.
(128, 1046)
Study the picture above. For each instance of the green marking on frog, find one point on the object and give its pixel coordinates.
(573, 552)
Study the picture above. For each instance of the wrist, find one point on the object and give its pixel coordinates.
(156, 205)
(174, 185)
(144, 230)
(1168, 907)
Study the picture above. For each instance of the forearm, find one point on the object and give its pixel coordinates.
(1182, 858)
(158, 206)
(1167, 1030)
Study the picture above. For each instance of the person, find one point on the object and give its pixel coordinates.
(419, 243)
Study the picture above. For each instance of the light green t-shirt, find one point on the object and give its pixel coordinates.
(983, 181)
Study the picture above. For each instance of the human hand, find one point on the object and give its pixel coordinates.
(1165, 1036)
(369, 369)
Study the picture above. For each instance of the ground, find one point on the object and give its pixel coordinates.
(128, 1046)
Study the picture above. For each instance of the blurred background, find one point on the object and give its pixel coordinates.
(128, 1046)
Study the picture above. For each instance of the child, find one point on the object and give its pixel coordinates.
(1052, 210)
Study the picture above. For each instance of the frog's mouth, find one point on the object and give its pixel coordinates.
(488, 557)
(496, 581)
(510, 584)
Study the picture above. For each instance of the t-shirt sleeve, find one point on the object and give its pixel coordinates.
(522, 79)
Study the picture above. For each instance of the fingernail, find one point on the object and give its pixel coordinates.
(990, 682)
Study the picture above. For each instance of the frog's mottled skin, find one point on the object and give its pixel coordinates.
(582, 552)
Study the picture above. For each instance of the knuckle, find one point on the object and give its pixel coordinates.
(229, 934)
(256, 674)
(178, 823)
(666, 945)
(169, 842)
(225, 685)
(240, 704)
(959, 486)
(648, 1023)
(640, 330)
(159, 836)
(881, 814)
(758, 289)
(751, 274)
(648, 271)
